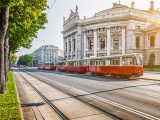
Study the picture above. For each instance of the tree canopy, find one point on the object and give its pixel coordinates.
(20, 21)
(24, 23)
(13, 59)
(25, 60)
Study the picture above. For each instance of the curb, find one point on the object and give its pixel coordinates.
(22, 118)
(149, 79)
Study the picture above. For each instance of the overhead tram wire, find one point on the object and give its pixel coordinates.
(51, 7)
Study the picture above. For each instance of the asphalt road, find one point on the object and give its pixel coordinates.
(140, 95)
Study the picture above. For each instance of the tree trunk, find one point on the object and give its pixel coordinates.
(9, 58)
(3, 30)
(6, 57)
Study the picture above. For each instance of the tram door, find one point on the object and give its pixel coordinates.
(115, 62)
(102, 62)
(97, 62)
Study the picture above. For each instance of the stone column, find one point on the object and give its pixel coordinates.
(95, 43)
(71, 47)
(85, 45)
(64, 46)
(98, 43)
(123, 40)
(76, 46)
(67, 48)
(108, 42)
(147, 42)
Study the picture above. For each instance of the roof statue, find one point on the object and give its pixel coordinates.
(133, 4)
(76, 8)
(119, 1)
(71, 11)
(152, 5)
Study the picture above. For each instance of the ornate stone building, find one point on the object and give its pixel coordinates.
(117, 30)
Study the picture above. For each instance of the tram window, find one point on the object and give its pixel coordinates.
(80, 63)
(134, 61)
(102, 62)
(107, 62)
(92, 62)
(130, 61)
(97, 63)
(116, 62)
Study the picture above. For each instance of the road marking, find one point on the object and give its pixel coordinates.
(104, 100)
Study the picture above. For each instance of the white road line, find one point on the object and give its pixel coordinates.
(104, 100)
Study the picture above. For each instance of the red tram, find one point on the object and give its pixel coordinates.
(76, 66)
(47, 67)
(118, 65)
(124, 66)
(62, 68)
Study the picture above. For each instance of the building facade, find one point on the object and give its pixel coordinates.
(47, 55)
(114, 31)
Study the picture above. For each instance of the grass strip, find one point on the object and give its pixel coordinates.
(9, 106)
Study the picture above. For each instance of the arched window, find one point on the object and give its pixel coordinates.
(137, 42)
(116, 41)
(66, 46)
(69, 46)
(90, 43)
(74, 44)
(152, 59)
(152, 41)
(102, 43)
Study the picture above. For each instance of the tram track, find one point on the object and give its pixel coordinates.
(59, 112)
(144, 115)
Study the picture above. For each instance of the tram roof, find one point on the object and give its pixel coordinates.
(111, 56)
(61, 61)
(114, 56)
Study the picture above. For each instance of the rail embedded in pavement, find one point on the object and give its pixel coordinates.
(145, 115)
(60, 113)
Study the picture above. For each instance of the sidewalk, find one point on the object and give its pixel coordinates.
(151, 76)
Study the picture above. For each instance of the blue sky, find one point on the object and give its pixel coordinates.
(52, 34)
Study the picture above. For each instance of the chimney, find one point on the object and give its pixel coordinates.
(133, 4)
(152, 5)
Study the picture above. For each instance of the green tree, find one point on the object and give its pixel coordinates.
(4, 16)
(25, 21)
(25, 18)
(25, 60)
(13, 59)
